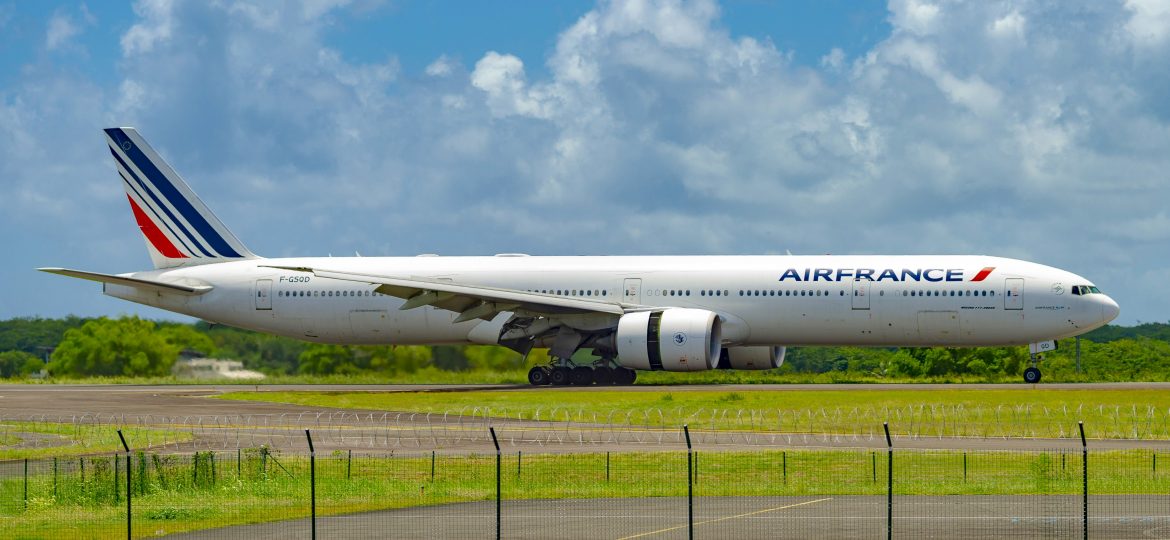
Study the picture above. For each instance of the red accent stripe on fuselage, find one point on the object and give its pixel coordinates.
(982, 275)
(153, 234)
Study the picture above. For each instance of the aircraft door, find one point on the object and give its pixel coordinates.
(1013, 293)
(264, 294)
(861, 293)
(632, 291)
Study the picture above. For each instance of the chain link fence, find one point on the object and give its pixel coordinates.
(659, 491)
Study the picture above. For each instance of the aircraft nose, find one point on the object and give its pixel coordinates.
(1109, 309)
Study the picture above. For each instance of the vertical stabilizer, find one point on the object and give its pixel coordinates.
(179, 229)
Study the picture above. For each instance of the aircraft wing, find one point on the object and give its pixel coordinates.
(162, 286)
(470, 301)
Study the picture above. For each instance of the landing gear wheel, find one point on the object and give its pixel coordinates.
(1032, 375)
(582, 376)
(538, 376)
(624, 376)
(604, 376)
(560, 376)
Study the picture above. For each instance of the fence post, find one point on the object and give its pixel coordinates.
(496, 442)
(26, 483)
(348, 464)
(607, 467)
(889, 482)
(1084, 480)
(518, 457)
(312, 485)
(239, 466)
(211, 456)
(129, 485)
(784, 465)
(690, 488)
(964, 467)
(873, 459)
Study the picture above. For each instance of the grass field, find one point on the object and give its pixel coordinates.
(958, 411)
(58, 440)
(177, 493)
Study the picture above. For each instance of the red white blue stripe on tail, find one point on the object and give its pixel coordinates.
(179, 229)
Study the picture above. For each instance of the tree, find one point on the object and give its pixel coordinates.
(321, 359)
(104, 347)
(19, 364)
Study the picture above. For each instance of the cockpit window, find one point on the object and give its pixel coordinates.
(1080, 290)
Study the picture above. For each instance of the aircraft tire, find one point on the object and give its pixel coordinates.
(538, 376)
(1032, 375)
(560, 376)
(625, 376)
(604, 376)
(582, 376)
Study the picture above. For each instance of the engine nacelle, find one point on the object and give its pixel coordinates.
(751, 357)
(674, 339)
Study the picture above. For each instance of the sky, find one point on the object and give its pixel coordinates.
(1037, 130)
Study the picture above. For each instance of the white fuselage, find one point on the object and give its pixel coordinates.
(764, 300)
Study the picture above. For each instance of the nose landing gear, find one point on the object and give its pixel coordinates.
(1036, 351)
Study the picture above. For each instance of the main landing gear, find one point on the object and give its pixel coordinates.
(562, 372)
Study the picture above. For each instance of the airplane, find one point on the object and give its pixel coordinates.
(668, 313)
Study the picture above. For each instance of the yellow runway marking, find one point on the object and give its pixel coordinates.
(660, 531)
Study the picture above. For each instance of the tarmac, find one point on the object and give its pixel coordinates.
(814, 516)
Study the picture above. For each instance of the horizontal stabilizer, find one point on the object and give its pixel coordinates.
(139, 283)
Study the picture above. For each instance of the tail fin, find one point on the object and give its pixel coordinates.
(180, 230)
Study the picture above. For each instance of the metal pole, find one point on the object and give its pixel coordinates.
(1078, 354)
(889, 482)
(784, 464)
(26, 483)
(129, 514)
(312, 484)
(690, 488)
(348, 464)
(964, 466)
(1084, 479)
(432, 465)
(518, 457)
(873, 459)
(498, 491)
(239, 467)
(607, 466)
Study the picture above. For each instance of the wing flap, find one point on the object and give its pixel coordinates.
(139, 283)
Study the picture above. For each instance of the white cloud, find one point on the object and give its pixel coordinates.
(441, 67)
(1028, 130)
(60, 30)
(156, 25)
(1149, 22)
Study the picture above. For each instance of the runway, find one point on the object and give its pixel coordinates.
(225, 425)
(813, 516)
(170, 400)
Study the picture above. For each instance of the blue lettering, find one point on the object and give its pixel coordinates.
(865, 273)
(790, 274)
(908, 273)
(825, 273)
(926, 275)
(889, 274)
(844, 273)
(954, 275)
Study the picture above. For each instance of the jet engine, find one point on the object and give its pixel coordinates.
(674, 339)
(768, 357)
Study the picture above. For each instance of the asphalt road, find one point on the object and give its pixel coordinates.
(813, 516)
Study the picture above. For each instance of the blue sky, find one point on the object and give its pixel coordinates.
(1031, 129)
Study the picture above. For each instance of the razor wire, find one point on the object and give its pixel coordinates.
(557, 426)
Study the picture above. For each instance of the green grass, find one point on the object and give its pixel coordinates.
(76, 439)
(1048, 412)
(170, 496)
